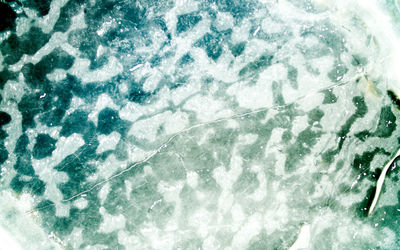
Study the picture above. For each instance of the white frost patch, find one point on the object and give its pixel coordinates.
(261, 192)
(17, 227)
(111, 223)
(250, 229)
(310, 102)
(269, 26)
(277, 215)
(241, 33)
(201, 219)
(57, 75)
(177, 122)
(226, 178)
(303, 239)
(159, 125)
(300, 123)
(207, 108)
(147, 129)
(192, 179)
(170, 191)
(81, 203)
(247, 139)
(103, 193)
(48, 21)
(156, 238)
(78, 21)
(76, 234)
(258, 95)
(22, 25)
(107, 142)
(76, 102)
(224, 21)
(66, 146)
(81, 70)
(128, 240)
(180, 94)
(8, 241)
(252, 97)
(238, 216)
(132, 111)
(109, 167)
(154, 77)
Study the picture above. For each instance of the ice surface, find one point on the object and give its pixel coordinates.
(199, 125)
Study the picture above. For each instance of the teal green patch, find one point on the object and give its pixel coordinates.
(292, 76)
(259, 242)
(160, 212)
(212, 45)
(143, 197)
(329, 97)
(44, 146)
(187, 22)
(116, 200)
(338, 72)
(302, 146)
(247, 183)
(189, 200)
(361, 208)
(186, 59)
(63, 226)
(287, 136)
(315, 115)
(386, 124)
(385, 127)
(238, 49)
(192, 243)
(361, 110)
(256, 66)
(363, 135)
(277, 93)
(168, 166)
(394, 98)
(359, 60)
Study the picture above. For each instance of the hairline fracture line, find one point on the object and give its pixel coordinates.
(165, 144)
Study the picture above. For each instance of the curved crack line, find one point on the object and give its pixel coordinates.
(165, 144)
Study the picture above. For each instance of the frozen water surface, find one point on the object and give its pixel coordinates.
(199, 124)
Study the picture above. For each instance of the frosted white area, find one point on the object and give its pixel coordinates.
(48, 21)
(257, 96)
(108, 168)
(132, 111)
(207, 108)
(8, 241)
(57, 75)
(82, 71)
(81, 203)
(149, 128)
(108, 142)
(111, 223)
(303, 240)
(17, 228)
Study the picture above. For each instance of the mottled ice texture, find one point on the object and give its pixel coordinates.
(198, 124)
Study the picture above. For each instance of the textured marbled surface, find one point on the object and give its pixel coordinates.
(197, 125)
